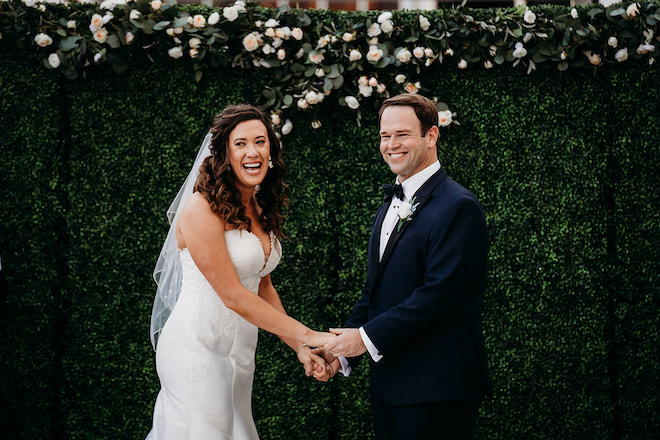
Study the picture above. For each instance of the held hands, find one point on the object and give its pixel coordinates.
(322, 362)
(348, 343)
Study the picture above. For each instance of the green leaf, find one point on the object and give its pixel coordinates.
(287, 100)
(69, 43)
(161, 25)
(113, 41)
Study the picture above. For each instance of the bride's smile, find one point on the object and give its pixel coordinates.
(249, 150)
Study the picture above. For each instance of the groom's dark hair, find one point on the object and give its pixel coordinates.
(424, 108)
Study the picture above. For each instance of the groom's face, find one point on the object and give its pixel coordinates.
(402, 146)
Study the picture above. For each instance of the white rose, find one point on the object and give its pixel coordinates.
(574, 13)
(444, 118)
(275, 119)
(381, 88)
(230, 13)
(156, 4)
(519, 51)
(300, 53)
(71, 24)
(387, 26)
(529, 17)
(315, 57)
(270, 32)
(563, 55)
(400, 78)
(528, 36)
(373, 82)
(251, 41)
(281, 54)
(632, 10)
(428, 62)
(193, 53)
(194, 42)
(645, 48)
(302, 103)
(107, 17)
(277, 42)
(347, 37)
(621, 55)
(651, 61)
(594, 58)
(97, 57)
(365, 90)
(129, 37)
(612, 42)
(199, 21)
(271, 22)
(43, 40)
(175, 52)
(411, 87)
(178, 30)
(424, 23)
(101, 35)
(355, 55)
(134, 15)
(648, 34)
(323, 41)
(492, 50)
(374, 30)
(54, 60)
(283, 32)
(428, 52)
(297, 33)
(374, 54)
(320, 73)
(418, 52)
(384, 17)
(363, 81)
(170, 32)
(287, 127)
(240, 5)
(313, 97)
(462, 64)
(316, 124)
(405, 209)
(214, 18)
(449, 52)
(488, 64)
(268, 49)
(352, 102)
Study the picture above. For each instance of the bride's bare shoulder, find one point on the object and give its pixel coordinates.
(198, 208)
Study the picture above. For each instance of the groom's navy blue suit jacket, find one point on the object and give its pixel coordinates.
(421, 305)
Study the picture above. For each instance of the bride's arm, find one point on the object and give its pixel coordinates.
(202, 232)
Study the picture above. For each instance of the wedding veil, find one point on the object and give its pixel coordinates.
(167, 273)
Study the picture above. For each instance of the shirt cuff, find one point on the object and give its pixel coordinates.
(371, 348)
(345, 366)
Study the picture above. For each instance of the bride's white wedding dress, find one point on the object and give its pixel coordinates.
(205, 353)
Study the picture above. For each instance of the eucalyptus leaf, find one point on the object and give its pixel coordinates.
(69, 43)
(287, 100)
(113, 41)
(161, 25)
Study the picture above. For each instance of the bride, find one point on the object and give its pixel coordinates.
(222, 246)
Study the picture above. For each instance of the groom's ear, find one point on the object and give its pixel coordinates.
(432, 136)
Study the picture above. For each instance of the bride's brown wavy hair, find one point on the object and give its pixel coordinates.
(217, 181)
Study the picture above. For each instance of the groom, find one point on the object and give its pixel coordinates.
(419, 316)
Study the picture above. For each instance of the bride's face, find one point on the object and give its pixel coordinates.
(249, 150)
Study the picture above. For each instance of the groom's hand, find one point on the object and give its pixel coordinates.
(314, 365)
(333, 363)
(348, 343)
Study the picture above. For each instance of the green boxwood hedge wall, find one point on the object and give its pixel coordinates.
(565, 165)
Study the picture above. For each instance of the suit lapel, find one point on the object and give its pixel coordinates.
(375, 239)
(422, 196)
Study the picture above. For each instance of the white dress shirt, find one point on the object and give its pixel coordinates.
(410, 186)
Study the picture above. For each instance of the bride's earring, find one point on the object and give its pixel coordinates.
(270, 162)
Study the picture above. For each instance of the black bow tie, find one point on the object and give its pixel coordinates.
(392, 190)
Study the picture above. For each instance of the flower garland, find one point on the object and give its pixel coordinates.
(357, 58)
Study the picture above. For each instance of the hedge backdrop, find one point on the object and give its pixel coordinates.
(564, 163)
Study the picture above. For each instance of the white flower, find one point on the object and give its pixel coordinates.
(519, 51)
(275, 119)
(314, 97)
(270, 32)
(488, 64)
(271, 23)
(492, 50)
(97, 22)
(428, 62)
(632, 10)
(297, 33)
(199, 21)
(648, 34)
(287, 127)
(449, 52)
(374, 54)
(43, 40)
(621, 55)
(373, 82)
(387, 26)
(323, 41)
(268, 49)
(365, 90)
(428, 52)
(134, 15)
(528, 36)
(300, 53)
(412, 87)
(240, 5)
(352, 102)
(355, 55)
(277, 42)
(175, 52)
(54, 60)
(574, 13)
(71, 24)
(404, 211)
(214, 18)
(384, 17)
(563, 55)
(101, 35)
(283, 32)
(529, 17)
(400, 78)
(645, 48)
(403, 55)
(194, 42)
(594, 58)
(107, 17)
(97, 57)
(363, 81)
(444, 118)
(316, 124)
(462, 64)
(170, 32)
(193, 53)
(612, 42)
(251, 41)
(424, 23)
(302, 103)
(418, 52)
(177, 40)
(380, 88)
(315, 57)
(281, 54)
(347, 37)
(651, 61)
(374, 30)
(178, 30)
(156, 4)
(320, 73)
(230, 13)
(129, 37)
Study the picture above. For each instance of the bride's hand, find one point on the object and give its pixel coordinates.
(314, 364)
(319, 339)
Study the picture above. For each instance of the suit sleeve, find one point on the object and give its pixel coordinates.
(456, 254)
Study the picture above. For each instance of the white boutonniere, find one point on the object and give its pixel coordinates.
(405, 212)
